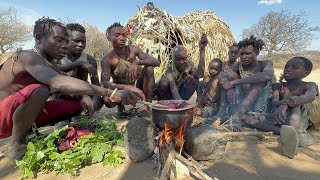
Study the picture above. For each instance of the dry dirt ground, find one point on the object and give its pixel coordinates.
(246, 158)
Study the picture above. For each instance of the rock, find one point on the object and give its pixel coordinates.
(204, 143)
(139, 138)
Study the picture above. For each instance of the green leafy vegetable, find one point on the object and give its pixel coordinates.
(43, 155)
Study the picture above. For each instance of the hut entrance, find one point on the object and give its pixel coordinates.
(174, 38)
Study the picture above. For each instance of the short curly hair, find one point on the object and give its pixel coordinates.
(76, 27)
(254, 41)
(308, 65)
(116, 24)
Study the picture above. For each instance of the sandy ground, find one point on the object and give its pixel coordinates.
(247, 158)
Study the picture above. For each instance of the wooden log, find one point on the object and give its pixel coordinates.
(166, 167)
(192, 160)
(194, 168)
(248, 133)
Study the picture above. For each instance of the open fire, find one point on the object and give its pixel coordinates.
(169, 134)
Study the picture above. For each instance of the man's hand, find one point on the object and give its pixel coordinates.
(280, 114)
(136, 90)
(87, 105)
(232, 96)
(288, 101)
(227, 84)
(132, 71)
(275, 104)
(89, 67)
(203, 41)
(126, 97)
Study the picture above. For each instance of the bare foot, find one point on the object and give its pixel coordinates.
(288, 141)
(15, 151)
(306, 139)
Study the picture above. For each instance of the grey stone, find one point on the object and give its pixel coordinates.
(204, 143)
(139, 138)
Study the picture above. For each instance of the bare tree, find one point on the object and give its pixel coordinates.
(97, 43)
(283, 32)
(13, 33)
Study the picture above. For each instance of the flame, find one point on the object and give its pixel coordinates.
(169, 134)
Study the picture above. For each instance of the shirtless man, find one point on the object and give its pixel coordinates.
(121, 64)
(181, 80)
(247, 85)
(28, 77)
(77, 63)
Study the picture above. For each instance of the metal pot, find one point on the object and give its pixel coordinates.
(173, 117)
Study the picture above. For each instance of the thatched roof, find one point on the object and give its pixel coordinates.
(157, 32)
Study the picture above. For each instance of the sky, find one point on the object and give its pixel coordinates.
(238, 14)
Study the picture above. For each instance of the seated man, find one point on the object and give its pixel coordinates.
(27, 78)
(233, 55)
(290, 101)
(209, 91)
(181, 80)
(77, 63)
(246, 86)
(121, 64)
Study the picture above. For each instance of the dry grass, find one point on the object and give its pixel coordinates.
(279, 60)
(157, 32)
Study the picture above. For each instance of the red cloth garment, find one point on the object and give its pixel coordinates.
(55, 109)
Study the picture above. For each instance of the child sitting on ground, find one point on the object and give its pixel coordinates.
(291, 101)
(209, 91)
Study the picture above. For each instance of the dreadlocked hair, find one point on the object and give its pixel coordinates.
(116, 24)
(256, 43)
(75, 27)
(44, 26)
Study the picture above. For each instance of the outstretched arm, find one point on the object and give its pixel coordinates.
(202, 48)
(35, 65)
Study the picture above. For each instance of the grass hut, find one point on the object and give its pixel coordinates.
(157, 32)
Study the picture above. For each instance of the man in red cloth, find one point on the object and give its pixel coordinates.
(27, 78)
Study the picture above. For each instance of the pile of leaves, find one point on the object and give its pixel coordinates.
(43, 155)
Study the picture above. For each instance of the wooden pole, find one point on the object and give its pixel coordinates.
(249, 133)
(194, 168)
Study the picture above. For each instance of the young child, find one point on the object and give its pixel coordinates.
(233, 55)
(209, 91)
(290, 103)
